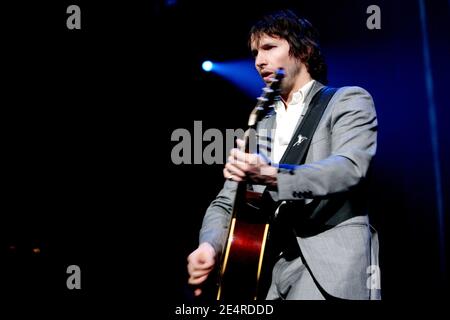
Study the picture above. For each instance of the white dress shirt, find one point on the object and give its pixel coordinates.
(287, 119)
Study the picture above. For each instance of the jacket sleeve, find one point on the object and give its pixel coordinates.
(353, 132)
(218, 216)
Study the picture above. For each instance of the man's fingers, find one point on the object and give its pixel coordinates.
(200, 260)
(195, 267)
(236, 162)
(199, 273)
(197, 281)
(197, 292)
(234, 170)
(237, 156)
(202, 266)
(240, 143)
(232, 177)
(195, 271)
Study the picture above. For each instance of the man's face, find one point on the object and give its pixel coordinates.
(272, 53)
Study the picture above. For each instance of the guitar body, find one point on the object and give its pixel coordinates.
(247, 262)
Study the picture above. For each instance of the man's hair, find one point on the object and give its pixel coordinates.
(301, 36)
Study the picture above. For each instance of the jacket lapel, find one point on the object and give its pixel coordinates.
(314, 88)
(266, 128)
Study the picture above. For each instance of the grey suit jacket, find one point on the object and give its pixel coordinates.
(341, 250)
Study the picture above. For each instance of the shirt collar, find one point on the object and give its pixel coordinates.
(297, 97)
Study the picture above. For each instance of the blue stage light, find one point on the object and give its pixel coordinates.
(207, 66)
(241, 73)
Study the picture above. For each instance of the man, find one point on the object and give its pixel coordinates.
(337, 250)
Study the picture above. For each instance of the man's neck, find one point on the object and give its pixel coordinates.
(301, 80)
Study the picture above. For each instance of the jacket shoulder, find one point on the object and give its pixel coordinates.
(353, 97)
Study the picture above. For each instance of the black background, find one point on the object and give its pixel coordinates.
(86, 122)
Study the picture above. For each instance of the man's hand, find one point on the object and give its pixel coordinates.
(200, 263)
(245, 166)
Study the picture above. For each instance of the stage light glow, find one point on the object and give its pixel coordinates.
(241, 73)
(207, 66)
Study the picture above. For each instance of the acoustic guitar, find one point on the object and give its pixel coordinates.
(244, 265)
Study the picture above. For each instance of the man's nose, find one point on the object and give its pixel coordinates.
(260, 61)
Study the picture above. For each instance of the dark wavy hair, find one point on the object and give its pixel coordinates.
(301, 36)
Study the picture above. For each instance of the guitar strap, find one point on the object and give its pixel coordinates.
(295, 153)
